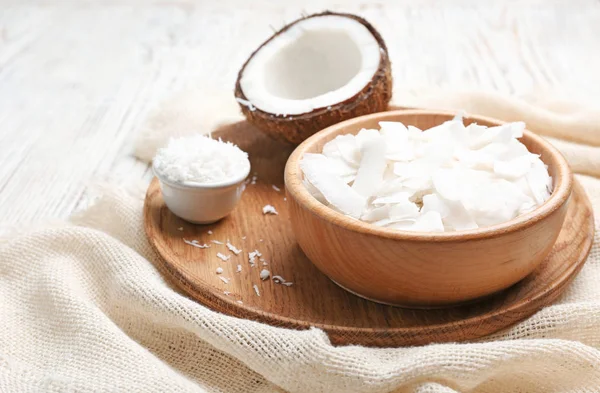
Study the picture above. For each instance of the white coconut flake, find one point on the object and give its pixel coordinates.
(180, 229)
(252, 257)
(339, 194)
(447, 178)
(256, 289)
(372, 165)
(239, 302)
(276, 188)
(269, 209)
(227, 293)
(210, 232)
(287, 283)
(239, 268)
(233, 248)
(224, 279)
(223, 257)
(264, 274)
(195, 243)
(219, 270)
(216, 242)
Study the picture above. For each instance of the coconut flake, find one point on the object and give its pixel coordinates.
(233, 248)
(372, 166)
(339, 194)
(256, 290)
(268, 209)
(219, 270)
(224, 279)
(216, 242)
(180, 229)
(264, 274)
(195, 243)
(276, 188)
(223, 257)
(239, 268)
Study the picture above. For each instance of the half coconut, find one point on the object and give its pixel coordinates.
(315, 72)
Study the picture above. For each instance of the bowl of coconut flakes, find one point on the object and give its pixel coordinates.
(426, 209)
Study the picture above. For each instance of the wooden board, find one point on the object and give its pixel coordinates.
(313, 300)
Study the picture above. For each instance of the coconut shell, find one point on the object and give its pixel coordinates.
(374, 97)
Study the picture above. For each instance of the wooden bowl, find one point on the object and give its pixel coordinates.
(423, 269)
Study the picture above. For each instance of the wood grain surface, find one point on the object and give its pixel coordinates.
(314, 300)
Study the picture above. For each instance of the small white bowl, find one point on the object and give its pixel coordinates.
(202, 203)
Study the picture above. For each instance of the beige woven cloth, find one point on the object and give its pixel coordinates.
(84, 309)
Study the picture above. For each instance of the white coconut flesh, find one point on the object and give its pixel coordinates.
(316, 63)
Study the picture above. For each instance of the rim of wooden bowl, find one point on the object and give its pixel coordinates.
(563, 184)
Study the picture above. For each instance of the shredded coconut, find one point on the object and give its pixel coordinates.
(224, 279)
(195, 244)
(282, 281)
(252, 257)
(264, 274)
(268, 209)
(227, 293)
(239, 268)
(216, 242)
(233, 249)
(276, 188)
(223, 257)
(256, 290)
(199, 159)
(219, 270)
(239, 301)
(210, 232)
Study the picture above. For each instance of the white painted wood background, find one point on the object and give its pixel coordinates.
(78, 78)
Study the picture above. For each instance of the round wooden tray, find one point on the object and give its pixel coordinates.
(314, 300)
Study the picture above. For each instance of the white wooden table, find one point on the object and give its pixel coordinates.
(78, 78)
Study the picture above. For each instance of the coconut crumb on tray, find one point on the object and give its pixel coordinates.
(195, 243)
(233, 248)
(216, 242)
(219, 270)
(269, 209)
(223, 257)
(224, 279)
(276, 188)
(264, 274)
(256, 290)
(281, 280)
